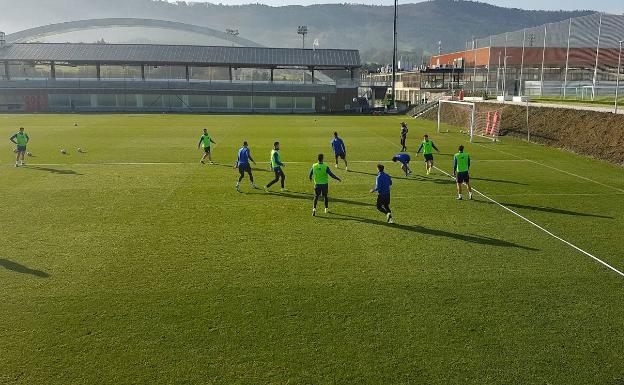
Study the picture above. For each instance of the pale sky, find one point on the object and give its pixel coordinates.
(612, 6)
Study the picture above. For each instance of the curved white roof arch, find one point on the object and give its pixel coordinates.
(31, 34)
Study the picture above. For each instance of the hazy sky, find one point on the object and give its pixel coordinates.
(613, 6)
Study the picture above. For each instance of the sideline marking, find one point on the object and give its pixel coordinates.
(540, 227)
(216, 163)
(528, 220)
(551, 167)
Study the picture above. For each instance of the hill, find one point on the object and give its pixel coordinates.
(368, 28)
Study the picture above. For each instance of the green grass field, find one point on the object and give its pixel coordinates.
(134, 264)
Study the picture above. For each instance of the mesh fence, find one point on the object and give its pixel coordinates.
(575, 58)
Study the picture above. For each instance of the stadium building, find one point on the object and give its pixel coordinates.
(90, 77)
(574, 58)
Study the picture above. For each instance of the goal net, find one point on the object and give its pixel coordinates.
(463, 117)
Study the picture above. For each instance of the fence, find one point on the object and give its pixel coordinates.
(579, 57)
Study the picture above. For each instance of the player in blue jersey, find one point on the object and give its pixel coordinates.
(404, 159)
(382, 188)
(340, 150)
(242, 163)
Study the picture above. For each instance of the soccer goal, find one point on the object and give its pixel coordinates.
(462, 117)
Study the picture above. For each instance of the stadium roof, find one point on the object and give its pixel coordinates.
(245, 57)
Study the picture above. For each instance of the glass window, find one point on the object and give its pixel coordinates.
(127, 100)
(242, 101)
(284, 102)
(198, 101)
(218, 101)
(59, 101)
(111, 72)
(80, 101)
(106, 100)
(174, 101)
(261, 102)
(152, 101)
(304, 102)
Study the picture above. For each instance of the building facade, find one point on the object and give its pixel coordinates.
(79, 77)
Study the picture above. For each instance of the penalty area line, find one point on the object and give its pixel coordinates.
(541, 228)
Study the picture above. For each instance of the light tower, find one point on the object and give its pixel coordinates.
(303, 31)
(394, 55)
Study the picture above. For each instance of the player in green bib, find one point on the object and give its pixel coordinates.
(204, 142)
(427, 146)
(320, 173)
(20, 139)
(276, 166)
(461, 166)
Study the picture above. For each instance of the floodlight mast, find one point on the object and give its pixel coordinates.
(394, 55)
(303, 31)
(232, 32)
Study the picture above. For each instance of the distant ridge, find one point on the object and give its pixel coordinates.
(364, 27)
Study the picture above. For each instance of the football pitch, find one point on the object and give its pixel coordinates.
(131, 263)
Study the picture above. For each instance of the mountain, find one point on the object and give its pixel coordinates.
(367, 28)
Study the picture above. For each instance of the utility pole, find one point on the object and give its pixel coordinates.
(617, 80)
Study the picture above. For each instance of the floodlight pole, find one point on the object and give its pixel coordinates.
(394, 55)
(232, 32)
(617, 80)
(303, 31)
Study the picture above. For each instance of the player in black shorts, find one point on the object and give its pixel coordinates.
(242, 162)
(404, 131)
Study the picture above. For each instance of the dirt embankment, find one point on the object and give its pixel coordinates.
(596, 134)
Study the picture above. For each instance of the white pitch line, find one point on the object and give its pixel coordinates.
(191, 163)
(551, 167)
(541, 228)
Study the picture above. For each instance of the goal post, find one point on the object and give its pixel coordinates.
(463, 118)
(463, 114)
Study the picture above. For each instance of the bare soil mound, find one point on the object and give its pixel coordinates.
(595, 134)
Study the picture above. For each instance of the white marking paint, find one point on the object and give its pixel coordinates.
(551, 167)
(541, 228)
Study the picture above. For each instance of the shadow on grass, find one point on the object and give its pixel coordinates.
(53, 170)
(16, 267)
(488, 241)
(308, 197)
(549, 210)
(414, 177)
(231, 166)
(499, 181)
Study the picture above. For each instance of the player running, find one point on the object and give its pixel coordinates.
(276, 166)
(204, 141)
(461, 165)
(20, 139)
(404, 159)
(404, 131)
(427, 146)
(320, 174)
(382, 187)
(242, 163)
(340, 151)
